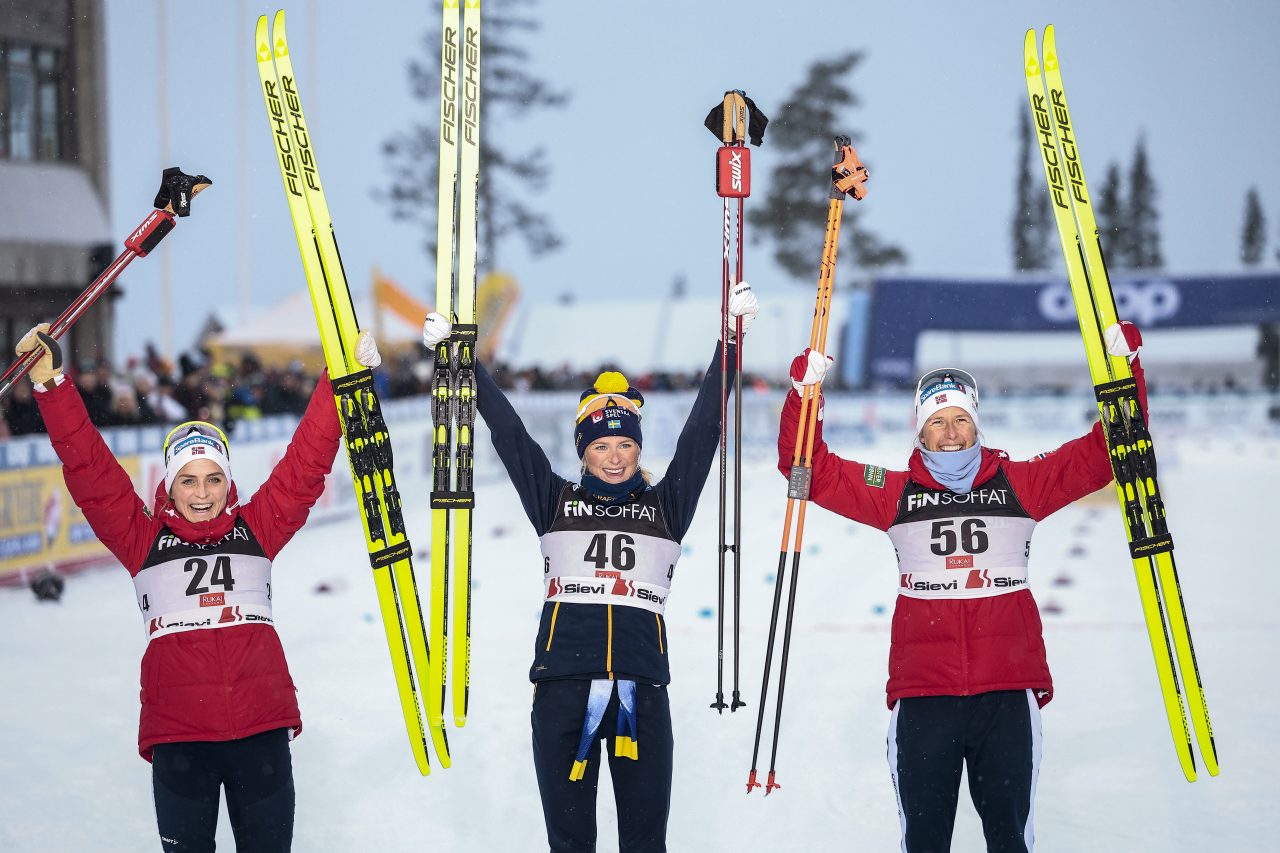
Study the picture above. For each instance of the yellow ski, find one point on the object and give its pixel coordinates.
(1124, 422)
(364, 431)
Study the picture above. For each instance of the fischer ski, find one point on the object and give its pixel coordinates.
(363, 428)
(173, 200)
(1124, 421)
(453, 384)
(730, 121)
(848, 177)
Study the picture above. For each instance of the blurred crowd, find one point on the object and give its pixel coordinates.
(149, 390)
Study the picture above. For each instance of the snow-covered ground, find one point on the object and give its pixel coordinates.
(72, 779)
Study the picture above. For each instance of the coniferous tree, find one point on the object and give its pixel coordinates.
(1032, 226)
(794, 210)
(1253, 236)
(1113, 230)
(1143, 216)
(508, 92)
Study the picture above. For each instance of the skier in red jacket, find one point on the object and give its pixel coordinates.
(218, 703)
(967, 667)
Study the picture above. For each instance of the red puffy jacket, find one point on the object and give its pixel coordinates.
(958, 647)
(203, 685)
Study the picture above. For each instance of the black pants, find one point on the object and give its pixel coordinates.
(641, 788)
(257, 773)
(997, 736)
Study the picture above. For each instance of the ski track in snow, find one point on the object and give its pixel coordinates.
(1109, 781)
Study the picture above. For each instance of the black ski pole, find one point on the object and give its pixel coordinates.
(731, 121)
(172, 200)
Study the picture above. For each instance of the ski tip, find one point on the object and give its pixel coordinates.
(460, 720)
(278, 34)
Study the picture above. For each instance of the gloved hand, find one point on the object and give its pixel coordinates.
(435, 329)
(809, 368)
(742, 303)
(367, 349)
(49, 365)
(1123, 338)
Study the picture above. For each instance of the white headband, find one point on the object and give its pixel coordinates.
(190, 447)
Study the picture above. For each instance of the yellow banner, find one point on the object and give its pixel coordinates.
(39, 523)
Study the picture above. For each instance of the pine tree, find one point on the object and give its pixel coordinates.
(793, 213)
(1143, 217)
(1113, 230)
(1253, 236)
(1032, 227)
(508, 92)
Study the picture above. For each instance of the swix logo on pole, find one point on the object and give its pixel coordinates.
(733, 172)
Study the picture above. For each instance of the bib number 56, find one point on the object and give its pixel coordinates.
(971, 536)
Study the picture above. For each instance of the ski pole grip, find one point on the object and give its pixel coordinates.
(848, 175)
(177, 189)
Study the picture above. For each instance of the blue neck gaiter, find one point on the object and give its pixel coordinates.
(610, 492)
(955, 469)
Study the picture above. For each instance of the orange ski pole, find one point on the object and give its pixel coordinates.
(848, 177)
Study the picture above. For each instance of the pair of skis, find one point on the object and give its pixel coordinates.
(364, 431)
(848, 177)
(730, 121)
(453, 385)
(1129, 441)
(173, 200)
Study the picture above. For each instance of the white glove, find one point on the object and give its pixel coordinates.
(367, 350)
(742, 303)
(809, 368)
(1123, 339)
(435, 329)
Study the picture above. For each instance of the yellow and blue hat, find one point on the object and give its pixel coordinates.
(610, 407)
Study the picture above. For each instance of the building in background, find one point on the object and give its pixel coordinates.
(54, 231)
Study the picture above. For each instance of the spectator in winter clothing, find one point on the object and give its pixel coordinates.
(967, 668)
(218, 703)
(610, 544)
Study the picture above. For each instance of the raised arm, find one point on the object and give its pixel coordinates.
(100, 487)
(527, 465)
(864, 493)
(281, 506)
(679, 490)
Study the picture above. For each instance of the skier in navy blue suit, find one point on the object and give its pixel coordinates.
(610, 544)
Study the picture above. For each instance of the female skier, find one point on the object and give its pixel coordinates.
(967, 668)
(610, 544)
(218, 704)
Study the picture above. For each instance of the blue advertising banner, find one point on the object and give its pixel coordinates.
(903, 308)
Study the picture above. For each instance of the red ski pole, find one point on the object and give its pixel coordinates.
(173, 200)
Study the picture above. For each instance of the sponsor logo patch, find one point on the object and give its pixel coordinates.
(873, 475)
(963, 562)
(213, 599)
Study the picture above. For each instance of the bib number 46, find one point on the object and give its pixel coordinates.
(601, 553)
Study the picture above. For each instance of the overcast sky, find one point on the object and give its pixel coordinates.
(632, 190)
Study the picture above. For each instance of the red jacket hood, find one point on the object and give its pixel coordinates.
(197, 532)
(991, 459)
